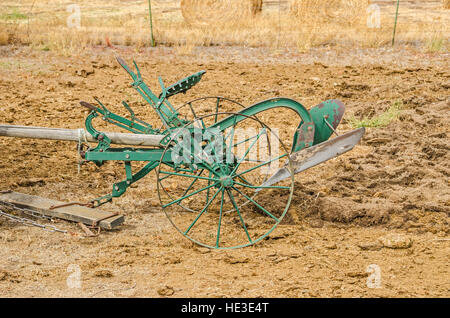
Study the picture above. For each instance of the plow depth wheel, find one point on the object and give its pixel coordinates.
(210, 190)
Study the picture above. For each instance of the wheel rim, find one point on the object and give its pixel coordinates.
(228, 195)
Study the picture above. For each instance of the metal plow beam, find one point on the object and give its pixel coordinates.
(78, 135)
(310, 157)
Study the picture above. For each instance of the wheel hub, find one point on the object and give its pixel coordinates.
(227, 181)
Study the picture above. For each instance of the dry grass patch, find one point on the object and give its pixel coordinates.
(190, 23)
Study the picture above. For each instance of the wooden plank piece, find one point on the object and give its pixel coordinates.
(73, 213)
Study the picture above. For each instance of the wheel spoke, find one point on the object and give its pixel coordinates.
(231, 139)
(248, 150)
(209, 183)
(257, 204)
(189, 195)
(260, 165)
(220, 218)
(228, 136)
(204, 209)
(251, 160)
(188, 176)
(217, 110)
(195, 115)
(243, 179)
(193, 182)
(244, 141)
(240, 216)
(164, 178)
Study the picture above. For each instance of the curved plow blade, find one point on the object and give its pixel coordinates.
(310, 157)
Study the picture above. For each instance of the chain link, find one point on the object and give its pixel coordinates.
(26, 221)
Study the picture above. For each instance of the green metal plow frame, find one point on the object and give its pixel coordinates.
(316, 126)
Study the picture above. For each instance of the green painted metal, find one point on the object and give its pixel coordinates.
(302, 137)
(164, 109)
(330, 111)
(123, 154)
(315, 126)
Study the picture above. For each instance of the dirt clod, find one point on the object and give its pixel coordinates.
(230, 259)
(396, 241)
(166, 291)
(103, 273)
(370, 246)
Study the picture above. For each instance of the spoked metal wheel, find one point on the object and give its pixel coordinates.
(203, 106)
(210, 185)
(200, 107)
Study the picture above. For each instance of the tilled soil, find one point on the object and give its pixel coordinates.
(382, 208)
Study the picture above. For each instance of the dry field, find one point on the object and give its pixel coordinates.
(385, 205)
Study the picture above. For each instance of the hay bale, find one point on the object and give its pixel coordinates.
(354, 11)
(257, 6)
(204, 12)
(446, 4)
(4, 37)
(313, 8)
(8, 35)
(330, 7)
(349, 11)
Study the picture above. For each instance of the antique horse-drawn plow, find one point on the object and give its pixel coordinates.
(218, 188)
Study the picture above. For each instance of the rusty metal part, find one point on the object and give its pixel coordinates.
(97, 222)
(331, 127)
(88, 106)
(88, 205)
(88, 231)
